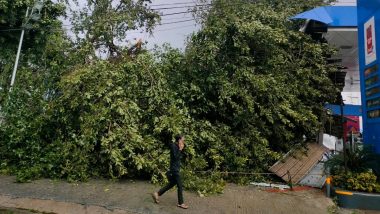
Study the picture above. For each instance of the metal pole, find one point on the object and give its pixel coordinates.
(328, 186)
(321, 130)
(351, 142)
(18, 53)
(343, 138)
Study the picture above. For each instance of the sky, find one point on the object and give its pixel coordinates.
(176, 33)
(174, 29)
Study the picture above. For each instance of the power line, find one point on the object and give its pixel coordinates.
(177, 3)
(167, 14)
(167, 29)
(176, 18)
(164, 8)
(178, 7)
(169, 8)
(162, 15)
(71, 25)
(131, 32)
(186, 15)
(187, 20)
(160, 24)
(176, 13)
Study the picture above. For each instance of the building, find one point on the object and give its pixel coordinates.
(353, 30)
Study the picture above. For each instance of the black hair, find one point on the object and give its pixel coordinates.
(178, 137)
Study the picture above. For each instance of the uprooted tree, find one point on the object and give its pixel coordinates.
(248, 87)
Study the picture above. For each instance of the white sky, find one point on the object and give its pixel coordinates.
(345, 3)
(175, 34)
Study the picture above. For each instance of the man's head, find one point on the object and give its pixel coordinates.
(180, 141)
(179, 138)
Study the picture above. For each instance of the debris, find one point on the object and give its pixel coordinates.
(298, 163)
(279, 186)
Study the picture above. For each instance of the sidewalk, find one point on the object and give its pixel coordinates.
(130, 197)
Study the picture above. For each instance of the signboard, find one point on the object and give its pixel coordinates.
(370, 41)
(368, 28)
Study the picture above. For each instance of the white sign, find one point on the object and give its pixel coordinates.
(370, 41)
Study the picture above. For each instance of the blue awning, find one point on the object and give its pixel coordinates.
(333, 16)
(348, 110)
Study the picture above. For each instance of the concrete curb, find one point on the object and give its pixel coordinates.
(50, 206)
(357, 200)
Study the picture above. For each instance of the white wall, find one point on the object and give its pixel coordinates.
(352, 98)
(345, 3)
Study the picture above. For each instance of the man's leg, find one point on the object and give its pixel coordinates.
(178, 181)
(165, 188)
(171, 184)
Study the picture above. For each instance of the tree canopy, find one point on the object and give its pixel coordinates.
(248, 87)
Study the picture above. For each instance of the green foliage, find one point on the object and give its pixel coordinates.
(35, 55)
(103, 25)
(364, 181)
(360, 160)
(203, 185)
(247, 72)
(21, 132)
(116, 113)
(248, 87)
(362, 170)
(333, 209)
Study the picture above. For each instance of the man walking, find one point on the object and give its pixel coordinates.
(173, 174)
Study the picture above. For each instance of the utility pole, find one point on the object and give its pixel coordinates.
(37, 6)
(18, 52)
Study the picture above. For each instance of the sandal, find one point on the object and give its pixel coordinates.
(183, 206)
(155, 198)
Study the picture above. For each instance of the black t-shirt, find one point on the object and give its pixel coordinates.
(175, 157)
